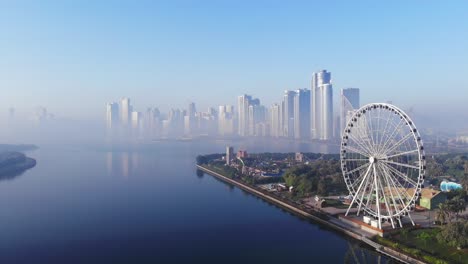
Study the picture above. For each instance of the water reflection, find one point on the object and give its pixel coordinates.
(122, 163)
(200, 174)
(359, 255)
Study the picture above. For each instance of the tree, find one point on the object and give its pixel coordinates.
(456, 205)
(442, 213)
(425, 236)
(322, 187)
(202, 160)
(454, 234)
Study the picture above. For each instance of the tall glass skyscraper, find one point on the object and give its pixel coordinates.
(322, 106)
(302, 114)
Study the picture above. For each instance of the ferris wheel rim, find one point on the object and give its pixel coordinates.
(374, 153)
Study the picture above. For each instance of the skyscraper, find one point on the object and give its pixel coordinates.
(275, 120)
(302, 114)
(246, 125)
(226, 120)
(229, 154)
(322, 106)
(243, 103)
(125, 111)
(288, 111)
(348, 103)
(112, 117)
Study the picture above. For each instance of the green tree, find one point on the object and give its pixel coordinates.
(454, 234)
(322, 188)
(442, 213)
(425, 237)
(202, 160)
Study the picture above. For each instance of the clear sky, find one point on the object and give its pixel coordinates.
(74, 56)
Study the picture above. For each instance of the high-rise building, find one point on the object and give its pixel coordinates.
(226, 120)
(349, 103)
(137, 124)
(302, 114)
(257, 115)
(191, 111)
(275, 120)
(112, 117)
(125, 111)
(322, 106)
(229, 155)
(246, 125)
(288, 114)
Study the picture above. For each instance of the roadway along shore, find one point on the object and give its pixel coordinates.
(332, 222)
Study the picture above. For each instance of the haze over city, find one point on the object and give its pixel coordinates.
(72, 57)
(233, 131)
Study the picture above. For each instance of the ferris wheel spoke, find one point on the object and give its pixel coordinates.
(380, 145)
(399, 143)
(360, 142)
(397, 128)
(359, 189)
(389, 187)
(358, 180)
(357, 169)
(364, 135)
(361, 200)
(403, 153)
(399, 191)
(388, 209)
(367, 160)
(371, 127)
(401, 175)
(401, 164)
(356, 151)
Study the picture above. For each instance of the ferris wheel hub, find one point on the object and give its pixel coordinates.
(372, 160)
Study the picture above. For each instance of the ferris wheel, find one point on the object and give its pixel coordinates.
(383, 162)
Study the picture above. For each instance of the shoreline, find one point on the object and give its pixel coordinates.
(331, 222)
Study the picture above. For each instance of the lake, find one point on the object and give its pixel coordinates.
(147, 204)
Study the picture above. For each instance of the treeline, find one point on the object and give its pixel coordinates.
(291, 156)
(447, 165)
(321, 177)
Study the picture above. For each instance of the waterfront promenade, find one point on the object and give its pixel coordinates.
(331, 221)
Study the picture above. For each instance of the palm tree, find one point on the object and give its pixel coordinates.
(442, 213)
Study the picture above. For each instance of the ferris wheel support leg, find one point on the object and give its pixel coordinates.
(409, 216)
(399, 221)
(359, 189)
(393, 224)
(377, 201)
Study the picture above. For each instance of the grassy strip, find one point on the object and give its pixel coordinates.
(414, 252)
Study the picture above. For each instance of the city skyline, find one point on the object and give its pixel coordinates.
(302, 114)
(205, 49)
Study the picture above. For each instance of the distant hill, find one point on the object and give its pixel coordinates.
(21, 147)
(14, 163)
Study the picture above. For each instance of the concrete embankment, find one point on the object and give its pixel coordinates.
(332, 222)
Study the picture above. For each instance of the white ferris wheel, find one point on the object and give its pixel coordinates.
(383, 162)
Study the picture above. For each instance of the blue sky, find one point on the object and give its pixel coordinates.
(74, 56)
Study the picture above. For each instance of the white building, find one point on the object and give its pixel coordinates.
(276, 120)
(302, 114)
(112, 117)
(288, 114)
(125, 111)
(322, 106)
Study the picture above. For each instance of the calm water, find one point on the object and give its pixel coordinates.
(148, 205)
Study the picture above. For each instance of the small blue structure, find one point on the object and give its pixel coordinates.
(447, 186)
